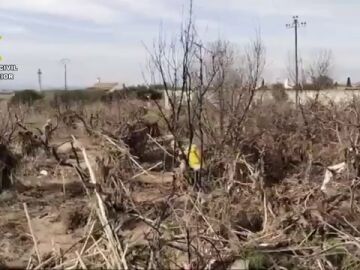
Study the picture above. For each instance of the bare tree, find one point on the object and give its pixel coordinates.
(227, 79)
(291, 73)
(180, 67)
(241, 94)
(197, 76)
(320, 70)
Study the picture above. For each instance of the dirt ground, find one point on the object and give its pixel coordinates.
(57, 205)
(49, 209)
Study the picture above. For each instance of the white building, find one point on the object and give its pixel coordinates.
(175, 96)
(108, 87)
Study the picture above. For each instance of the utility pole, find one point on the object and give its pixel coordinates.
(295, 24)
(64, 62)
(39, 78)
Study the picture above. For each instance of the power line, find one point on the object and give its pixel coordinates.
(39, 78)
(295, 25)
(64, 62)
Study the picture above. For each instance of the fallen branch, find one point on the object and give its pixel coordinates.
(115, 246)
(330, 172)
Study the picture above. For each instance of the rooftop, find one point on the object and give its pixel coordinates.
(105, 86)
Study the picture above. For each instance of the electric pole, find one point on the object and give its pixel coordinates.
(39, 78)
(296, 24)
(64, 62)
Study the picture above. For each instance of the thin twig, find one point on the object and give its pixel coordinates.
(32, 233)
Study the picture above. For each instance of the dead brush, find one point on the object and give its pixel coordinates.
(244, 216)
(8, 164)
(8, 126)
(33, 140)
(287, 222)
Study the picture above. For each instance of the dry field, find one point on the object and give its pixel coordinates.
(102, 188)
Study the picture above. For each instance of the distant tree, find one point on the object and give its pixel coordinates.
(322, 82)
(320, 69)
(308, 86)
(278, 92)
(290, 71)
(277, 86)
(348, 83)
(26, 97)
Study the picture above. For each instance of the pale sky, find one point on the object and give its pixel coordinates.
(104, 38)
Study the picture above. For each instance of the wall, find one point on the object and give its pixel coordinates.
(175, 96)
(336, 95)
